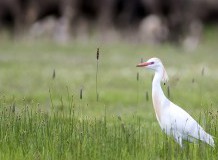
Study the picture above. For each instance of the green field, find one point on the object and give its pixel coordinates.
(43, 116)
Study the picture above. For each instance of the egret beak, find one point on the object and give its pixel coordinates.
(143, 64)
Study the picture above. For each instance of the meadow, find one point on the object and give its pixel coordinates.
(56, 104)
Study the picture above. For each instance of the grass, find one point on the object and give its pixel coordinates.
(43, 116)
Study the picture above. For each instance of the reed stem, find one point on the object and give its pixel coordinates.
(96, 88)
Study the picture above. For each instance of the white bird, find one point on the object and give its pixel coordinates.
(172, 119)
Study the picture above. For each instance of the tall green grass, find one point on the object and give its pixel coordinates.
(34, 134)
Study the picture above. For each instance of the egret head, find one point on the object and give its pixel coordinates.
(156, 65)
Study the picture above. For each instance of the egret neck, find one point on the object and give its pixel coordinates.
(158, 96)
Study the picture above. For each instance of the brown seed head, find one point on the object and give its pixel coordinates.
(97, 56)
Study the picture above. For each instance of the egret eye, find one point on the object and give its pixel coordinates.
(152, 62)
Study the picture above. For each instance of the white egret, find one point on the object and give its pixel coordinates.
(172, 119)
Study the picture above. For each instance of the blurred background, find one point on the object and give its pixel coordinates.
(145, 21)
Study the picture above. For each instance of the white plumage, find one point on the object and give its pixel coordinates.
(173, 120)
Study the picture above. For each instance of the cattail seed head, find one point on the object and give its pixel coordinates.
(97, 55)
(13, 108)
(81, 93)
(147, 96)
(53, 75)
(137, 77)
(168, 91)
